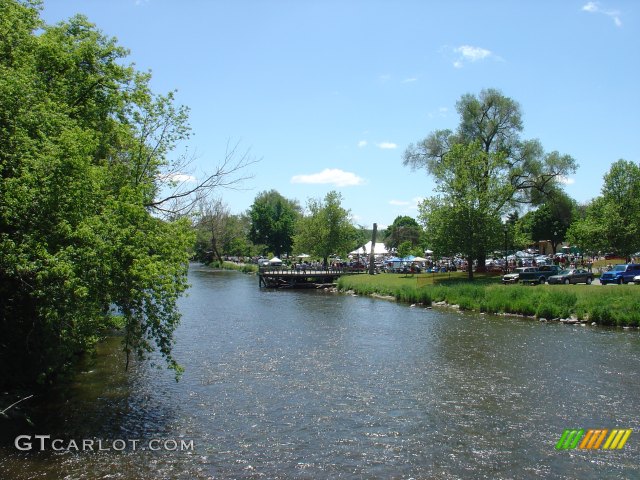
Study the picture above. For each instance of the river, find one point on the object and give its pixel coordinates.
(310, 384)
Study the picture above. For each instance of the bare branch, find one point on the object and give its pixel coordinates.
(186, 191)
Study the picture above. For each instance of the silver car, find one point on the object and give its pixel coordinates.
(514, 277)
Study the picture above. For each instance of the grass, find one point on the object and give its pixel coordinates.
(606, 305)
(241, 267)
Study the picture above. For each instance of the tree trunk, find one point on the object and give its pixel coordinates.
(215, 248)
(372, 261)
(470, 268)
(482, 262)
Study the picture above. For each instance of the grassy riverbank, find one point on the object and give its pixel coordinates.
(241, 267)
(605, 305)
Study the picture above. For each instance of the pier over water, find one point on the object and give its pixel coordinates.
(278, 277)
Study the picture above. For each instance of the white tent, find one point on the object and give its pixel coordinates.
(275, 261)
(379, 249)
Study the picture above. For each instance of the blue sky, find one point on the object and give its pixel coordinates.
(328, 94)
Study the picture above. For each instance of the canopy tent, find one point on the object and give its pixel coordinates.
(275, 261)
(379, 249)
(303, 255)
(394, 260)
(428, 252)
(419, 259)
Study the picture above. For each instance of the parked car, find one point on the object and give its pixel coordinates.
(621, 274)
(540, 274)
(572, 275)
(514, 276)
(356, 266)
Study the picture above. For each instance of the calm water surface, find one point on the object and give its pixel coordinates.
(308, 384)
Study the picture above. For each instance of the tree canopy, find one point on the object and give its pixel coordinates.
(505, 171)
(403, 229)
(273, 220)
(612, 220)
(464, 220)
(85, 160)
(326, 229)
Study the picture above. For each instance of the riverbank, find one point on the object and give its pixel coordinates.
(240, 267)
(615, 305)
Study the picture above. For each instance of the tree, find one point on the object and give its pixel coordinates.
(220, 233)
(236, 239)
(273, 221)
(464, 220)
(493, 121)
(404, 249)
(327, 229)
(85, 146)
(552, 219)
(403, 229)
(214, 220)
(588, 231)
(612, 221)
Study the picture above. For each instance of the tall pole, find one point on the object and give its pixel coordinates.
(372, 261)
(506, 249)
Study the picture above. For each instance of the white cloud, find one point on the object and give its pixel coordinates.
(472, 54)
(334, 176)
(362, 143)
(468, 53)
(386, 145)
(595, 7)
(409, 204)
(410, 80)
(567, 180)
(441, 112)
(177, 177)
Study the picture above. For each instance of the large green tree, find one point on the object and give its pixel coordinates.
(403, 229)
(327, 228)
(464, 219)
(85, 158)
(273, 221)
(551, 220)
(524, 172)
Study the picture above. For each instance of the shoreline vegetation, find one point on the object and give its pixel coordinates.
(614, 305)
(617, 305)
(239, 267)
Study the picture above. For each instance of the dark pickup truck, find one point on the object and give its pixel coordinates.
(539, 275)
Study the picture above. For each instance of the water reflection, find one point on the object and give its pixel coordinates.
(315, 385)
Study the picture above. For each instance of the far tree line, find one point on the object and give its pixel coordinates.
(494, 191)
(278, 226)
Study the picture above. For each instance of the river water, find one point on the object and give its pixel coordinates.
(310, 384)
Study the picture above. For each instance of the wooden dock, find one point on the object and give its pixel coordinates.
(277, 277)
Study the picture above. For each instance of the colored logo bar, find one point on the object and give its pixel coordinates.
(593, 439)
